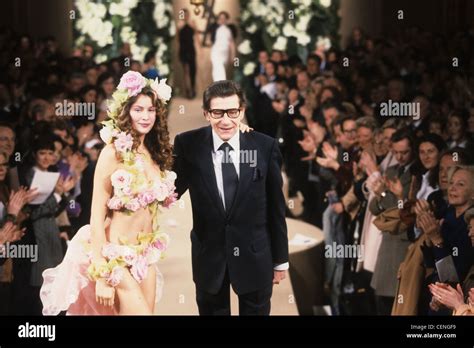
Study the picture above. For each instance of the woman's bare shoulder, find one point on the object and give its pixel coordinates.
(108, 158)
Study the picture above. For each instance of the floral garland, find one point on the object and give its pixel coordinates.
(150, 249)
(106, 25)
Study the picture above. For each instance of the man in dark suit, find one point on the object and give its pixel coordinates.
(239, 234)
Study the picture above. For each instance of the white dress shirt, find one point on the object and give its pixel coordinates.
(217, 155)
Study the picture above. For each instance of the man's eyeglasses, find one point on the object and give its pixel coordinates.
(219, 113)
(350, 131)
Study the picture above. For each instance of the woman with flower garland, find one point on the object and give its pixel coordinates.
(111, 265)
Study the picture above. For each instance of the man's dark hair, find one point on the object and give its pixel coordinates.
(224, 88)
(226, 14)
(149, 55)
(314, 57)
(401, 134)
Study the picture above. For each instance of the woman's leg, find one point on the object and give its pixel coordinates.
(131, 297)
(148, 287)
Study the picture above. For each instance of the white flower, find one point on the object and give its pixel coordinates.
(325, 3)
(138, 52)
(159, 15)
(280, 43)
(119, 9)
(127, 35)
(323, 42)
(106, 134)
(172, 29)
(249, 68)
(303, 39)
(170, 176)
(245, 15)
(273, 30)
(303, 22)
(162, 89)
(289, 30)
(251, 28)
(244, 47)
(100, 58)
(164, 69)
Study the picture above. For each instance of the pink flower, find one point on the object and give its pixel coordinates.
(115, 276)
(139, 268)
(170, 200)
(132, 81)
(146, 198)
(111, 251)
(129, 255)
(115, 203)
(133, 204)
(124, 142)
(127, 191)
(121, 179)
(158, 244)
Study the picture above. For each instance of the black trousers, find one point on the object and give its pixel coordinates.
(384, 305)
(253, 303)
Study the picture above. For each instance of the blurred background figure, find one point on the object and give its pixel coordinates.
(223, 46)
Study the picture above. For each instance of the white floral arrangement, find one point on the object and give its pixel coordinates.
(99, 22)
(276, 22)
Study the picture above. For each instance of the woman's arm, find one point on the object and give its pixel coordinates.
(102, 191)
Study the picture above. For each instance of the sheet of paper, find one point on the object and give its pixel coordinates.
(300, 239)
(45, 182)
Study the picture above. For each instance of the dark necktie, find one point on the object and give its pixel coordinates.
(401, 171)
(229, 176)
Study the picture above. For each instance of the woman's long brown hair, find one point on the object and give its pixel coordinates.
(157, 141)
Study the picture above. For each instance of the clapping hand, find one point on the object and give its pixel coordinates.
(368, 162)
(10, 233)
(395, 186)
(309, 145)
(19, 199)
(447, 295)
(431, 227)
(63, 186)
(329, 151)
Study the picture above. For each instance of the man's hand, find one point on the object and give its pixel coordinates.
(278, 276)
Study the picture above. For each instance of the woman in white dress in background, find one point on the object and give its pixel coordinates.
(223, 47)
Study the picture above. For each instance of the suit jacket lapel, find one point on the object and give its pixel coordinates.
(207, 167)
(246, 171)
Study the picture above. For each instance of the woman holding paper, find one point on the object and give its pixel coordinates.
(42, 216)
(111, 265)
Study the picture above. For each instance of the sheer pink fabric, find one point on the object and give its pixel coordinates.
(67, 287)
